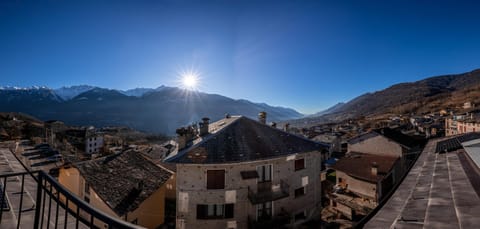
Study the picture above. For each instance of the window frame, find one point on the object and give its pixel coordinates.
(303, 164)
(218, 211)
(298, 194)
(261, 173)
(264, 207)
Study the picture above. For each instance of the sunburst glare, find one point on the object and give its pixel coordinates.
(189, 80)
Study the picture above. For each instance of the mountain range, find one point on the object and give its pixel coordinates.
(163, 109)
(159, 110)
(428, 95)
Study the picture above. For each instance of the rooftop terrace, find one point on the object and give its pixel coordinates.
(440, 191)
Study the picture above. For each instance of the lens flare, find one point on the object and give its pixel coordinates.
(190, 81)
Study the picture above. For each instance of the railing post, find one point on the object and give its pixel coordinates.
(20, 208)
(38, 200)
(4, 198)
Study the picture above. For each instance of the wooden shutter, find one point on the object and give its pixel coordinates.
(299, 164)
(201, 211)
(215, 179)
(229, 209)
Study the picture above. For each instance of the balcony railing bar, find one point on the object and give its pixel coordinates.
(48, 188)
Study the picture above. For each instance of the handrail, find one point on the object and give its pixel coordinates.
(112, 222)
(18, 174)
(47, 185)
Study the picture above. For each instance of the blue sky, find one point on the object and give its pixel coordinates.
(307, 55)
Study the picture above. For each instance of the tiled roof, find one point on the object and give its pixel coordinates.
(363, 137)
(468, 137)
(359, 165)
(237, 139)
(123, 181)
(391, 134)
(398, 137)
(454, 143)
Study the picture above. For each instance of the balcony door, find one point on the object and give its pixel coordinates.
(264, 211)
(264, 177)
(264, 173)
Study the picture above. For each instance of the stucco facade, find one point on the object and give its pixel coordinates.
(192, 190)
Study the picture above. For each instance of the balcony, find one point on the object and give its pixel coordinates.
(267, 192)
(36, 200)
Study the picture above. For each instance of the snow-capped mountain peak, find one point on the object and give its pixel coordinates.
(68, 93)
(14, 88)
(139, 92)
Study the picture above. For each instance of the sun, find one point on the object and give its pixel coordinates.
(190, 81)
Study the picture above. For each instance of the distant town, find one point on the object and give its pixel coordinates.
(239, 172)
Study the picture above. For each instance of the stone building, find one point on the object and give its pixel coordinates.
(124, 185)
(93, 142)
(240, 173)
(362, 180)
(387, 142)
(461, 124)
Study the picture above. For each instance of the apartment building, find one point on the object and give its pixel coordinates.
(242, 173)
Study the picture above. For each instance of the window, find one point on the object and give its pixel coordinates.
(299, 164)
(340, 180)
(264, 211)
(264, 173)
(87, 189)
(299, 192)
(300, 216)
(215, 211)
(215, 179)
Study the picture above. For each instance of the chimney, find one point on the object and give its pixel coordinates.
(204, 126)
(274, 124)
(374, 168)
(181, 138)
(285, 128)
(262, 117)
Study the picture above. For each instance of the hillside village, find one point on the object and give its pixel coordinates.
(235, 172)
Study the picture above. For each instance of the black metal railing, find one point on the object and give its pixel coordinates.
(267, 194)
(37, 200)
